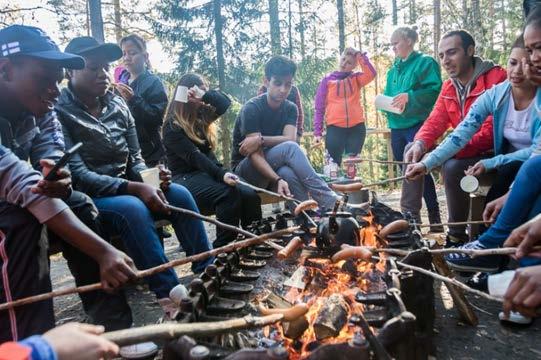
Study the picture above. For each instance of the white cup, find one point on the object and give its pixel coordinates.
(469, 184)
(384, 102)
(151, 176)
(181, 94)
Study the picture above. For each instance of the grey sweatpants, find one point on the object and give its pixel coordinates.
(292, 165)
(457, 199)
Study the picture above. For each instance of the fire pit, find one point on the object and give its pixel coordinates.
(354, 309)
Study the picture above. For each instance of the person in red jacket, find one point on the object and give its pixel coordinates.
(469, 77)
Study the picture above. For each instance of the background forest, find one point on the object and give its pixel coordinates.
(228, 41)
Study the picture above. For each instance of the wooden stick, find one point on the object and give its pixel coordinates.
(386, 181)
(471, 252)
(446, 280)
(255, 188)
(462, 304)
(268, 192)
(386, 161)
(152, 271)
(221, 224)
(172, 330)
(473, 222)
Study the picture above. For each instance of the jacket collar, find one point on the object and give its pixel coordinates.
(68, 97)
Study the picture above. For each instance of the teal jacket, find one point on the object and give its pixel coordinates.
(419, 76)
(494, 101)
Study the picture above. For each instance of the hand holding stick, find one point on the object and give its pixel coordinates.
(152, 271)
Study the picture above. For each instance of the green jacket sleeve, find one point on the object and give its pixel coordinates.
(422, 97)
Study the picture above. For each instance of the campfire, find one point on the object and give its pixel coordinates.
(332, 304)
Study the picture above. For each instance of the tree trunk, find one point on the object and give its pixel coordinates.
(87, 5)
(491, 14)
(220, 67)
(477, 26)
(413, 12)
(289, 33)
(395, 12)
(341, 26)
(96, 20)
(274, 22)
(465, 22)
(301, 29)
(437, 26)
(118, 20)
(504, 28)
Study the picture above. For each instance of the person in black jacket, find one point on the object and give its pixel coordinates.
(189, 137)
(145, 95)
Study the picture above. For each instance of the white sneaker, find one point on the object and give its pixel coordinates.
(139, 351)
(515, 318)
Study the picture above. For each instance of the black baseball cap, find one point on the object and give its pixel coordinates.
(87, 45)
(32, 41)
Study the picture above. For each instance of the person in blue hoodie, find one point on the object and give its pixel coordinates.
(517, 129)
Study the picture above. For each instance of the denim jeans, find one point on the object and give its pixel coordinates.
(129, 217)
(523, 203)
(292, 165)
(399, 139)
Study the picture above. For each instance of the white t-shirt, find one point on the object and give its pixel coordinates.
(517, 125)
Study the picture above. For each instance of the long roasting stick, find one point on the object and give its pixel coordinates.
(221, 224)
(386, 181)
(470, 252)
(473, 222)
(447, 280)
(152, 271)
(255, 188)
(173, 330)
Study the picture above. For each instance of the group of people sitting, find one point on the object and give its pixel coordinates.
(125, 127)
(126, 124)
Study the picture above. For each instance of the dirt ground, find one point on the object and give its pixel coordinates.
(453, 339)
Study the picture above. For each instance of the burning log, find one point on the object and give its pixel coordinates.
(332, 317)
(294, 329)
(305, 205)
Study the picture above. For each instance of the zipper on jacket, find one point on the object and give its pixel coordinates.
(346, 104)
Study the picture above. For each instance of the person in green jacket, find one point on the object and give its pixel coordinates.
(414, 82)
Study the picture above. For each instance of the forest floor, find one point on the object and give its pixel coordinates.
(453, 339)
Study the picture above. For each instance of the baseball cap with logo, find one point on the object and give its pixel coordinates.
(32, 41)
(87, 45)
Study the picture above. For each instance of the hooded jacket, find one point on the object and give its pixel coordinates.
(449, 110)
(338, 97)
(418, 76)
(494, 101)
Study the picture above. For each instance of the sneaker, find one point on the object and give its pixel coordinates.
(515, 319)
(465, 263)
(455, 240)
(479, 281)
(139, 351)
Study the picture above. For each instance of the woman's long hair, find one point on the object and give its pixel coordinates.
(197, 123)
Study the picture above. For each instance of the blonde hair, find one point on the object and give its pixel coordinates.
(408, 33)
(197, 123)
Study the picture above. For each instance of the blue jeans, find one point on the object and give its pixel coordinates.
(128, 216)
(399, 139)
(523, 203)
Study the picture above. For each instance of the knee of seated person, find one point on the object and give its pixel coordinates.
(533, 165)
(453, 167)
(132, 208)
(290, 145)
(82, 206)
(179, 195)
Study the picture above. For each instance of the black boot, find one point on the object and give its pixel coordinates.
(434, 218)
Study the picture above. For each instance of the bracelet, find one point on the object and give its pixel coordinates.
(262, 139)
(277, 180)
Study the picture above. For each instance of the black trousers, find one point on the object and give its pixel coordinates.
(233, 205)
(350, 140)
(505, 175)
(24, 265)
